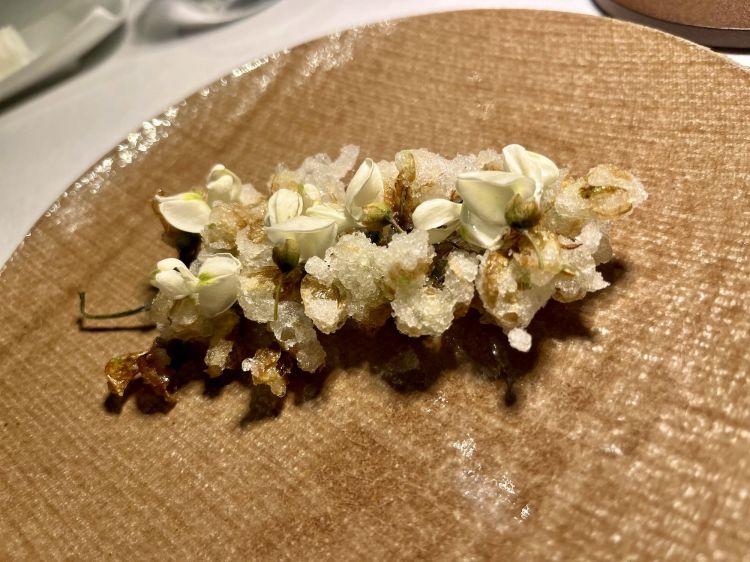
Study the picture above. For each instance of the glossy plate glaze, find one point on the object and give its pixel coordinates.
(629, 435)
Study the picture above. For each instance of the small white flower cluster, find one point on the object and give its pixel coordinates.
(421, 239)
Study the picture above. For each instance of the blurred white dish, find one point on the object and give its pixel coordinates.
(192, 15)
(57, 33)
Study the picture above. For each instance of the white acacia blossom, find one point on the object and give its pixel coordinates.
(313, 224)
(283, 205)
(312, 232)
(480, 218)
(540, 169)
(190, 211)
(365, 187)
(312, 235)
(214, 289)
(439, 217)
(223, 184)
(333, 212)
(310, 195)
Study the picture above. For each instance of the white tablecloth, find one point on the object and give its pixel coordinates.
(49, 138)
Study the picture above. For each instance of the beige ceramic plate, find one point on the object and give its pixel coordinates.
(630, 435)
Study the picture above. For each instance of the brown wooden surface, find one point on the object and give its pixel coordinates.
(630, 436)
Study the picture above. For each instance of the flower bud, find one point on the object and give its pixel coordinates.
(376, 215)
(222, 185)
(310, 195)
(365, 187)
(283, 205)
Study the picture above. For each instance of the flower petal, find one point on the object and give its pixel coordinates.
(310, 195)
(480, 233)
(222, 185)
(188, 212)
(365, 187)
(173, 278)
(540, 169)
(218, 284)
(439, 217)
(333, 212)
(219, 295)
(550, 171)
(283, 205)
(171, 263)
(487, 193)
(219, 265)
(313, 235)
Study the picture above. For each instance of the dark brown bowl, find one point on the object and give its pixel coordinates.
(717, 23)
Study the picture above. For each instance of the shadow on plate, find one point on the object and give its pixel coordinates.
(407, 365)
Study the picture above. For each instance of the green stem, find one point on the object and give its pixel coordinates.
(395, 225)
(86, 316)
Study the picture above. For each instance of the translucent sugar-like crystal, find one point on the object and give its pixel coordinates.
(320, 269)
(355, 264)
(159, 310)
(216, 357)
(407, 259)
(324, 305)
(267, 368)
(321, 171)
(421, 310)
(252, 255)
(579, 274)
(226, 219)
(608, 175)
(249, 196)
(511, 304)
(296, 334)
(257, 296)
(219, 347)
(431, 176)
(391, 195)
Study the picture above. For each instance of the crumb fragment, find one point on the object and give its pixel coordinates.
(121, 371)
(519, 339)
(296, 334)
(268, 367)
(152, 366)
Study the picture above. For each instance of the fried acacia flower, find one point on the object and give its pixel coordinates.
(502, 232)
(190, 211)
(214, 289)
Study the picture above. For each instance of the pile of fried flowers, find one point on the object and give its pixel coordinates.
(421, 239)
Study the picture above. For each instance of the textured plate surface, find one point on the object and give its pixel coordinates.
(630, 434)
